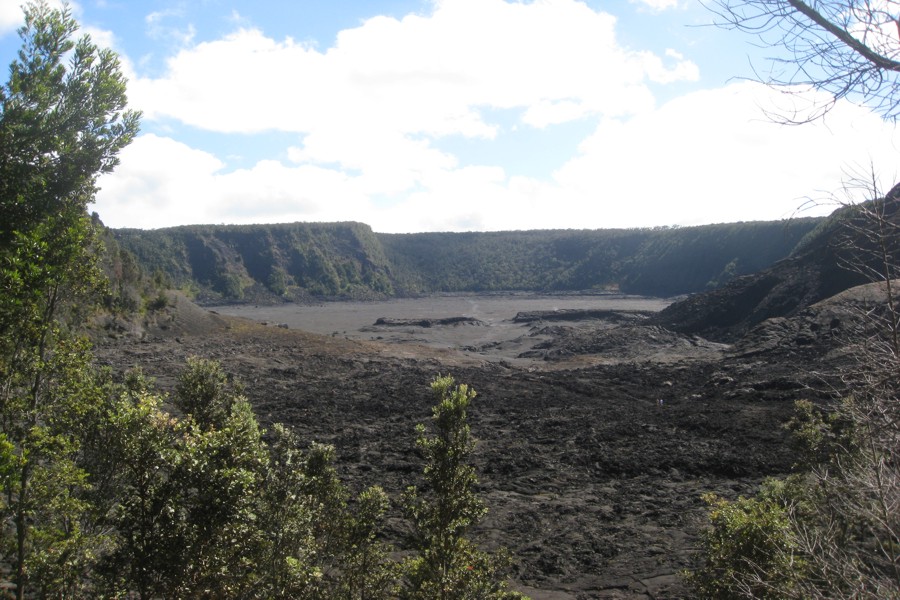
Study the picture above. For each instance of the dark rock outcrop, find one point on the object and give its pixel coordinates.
(392, 322)
(832, 259)
(578, 314)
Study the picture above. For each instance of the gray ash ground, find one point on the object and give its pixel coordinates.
(598, 435)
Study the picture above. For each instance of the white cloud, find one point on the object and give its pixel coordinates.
(162, 182)
(159, 182)
(368, 111)
(705, 157)
(410, 81)
(10, 16)
(658, 72)
(155, 18)
(159, 29)
(711, 156)
(102, 37)
(657, 5)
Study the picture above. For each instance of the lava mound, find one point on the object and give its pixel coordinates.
(452, 321)
(580, 314)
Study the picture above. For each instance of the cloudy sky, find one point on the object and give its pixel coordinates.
(455, 115)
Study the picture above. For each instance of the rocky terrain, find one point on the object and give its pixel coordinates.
(857, 244)
(599, 428)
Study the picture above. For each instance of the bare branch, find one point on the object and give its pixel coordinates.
(845, 48)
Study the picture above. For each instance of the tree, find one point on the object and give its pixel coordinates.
(206, 393)
(845, 48)
(47, 498)
(353, 562)
(852, 538)
(449, 565)
(219, 465)
(61, 125)
(368, 573)
(208, 509)
(144, 442)
(287, 566)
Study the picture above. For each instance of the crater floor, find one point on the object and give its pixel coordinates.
(597, 434)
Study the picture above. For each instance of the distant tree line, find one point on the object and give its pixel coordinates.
(290, 261)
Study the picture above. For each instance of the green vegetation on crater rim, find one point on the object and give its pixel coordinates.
(298, 260)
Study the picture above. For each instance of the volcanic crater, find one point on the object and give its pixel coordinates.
(599, 427)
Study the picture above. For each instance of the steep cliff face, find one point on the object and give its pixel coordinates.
(258, 263)
(855, 245)
(655, 262)
(266, 262)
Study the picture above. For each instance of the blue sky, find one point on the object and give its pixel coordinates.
(450, 115)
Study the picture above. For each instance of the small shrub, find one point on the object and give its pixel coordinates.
(750, 550)
(449, 565)
(232, 287)
(160, 302)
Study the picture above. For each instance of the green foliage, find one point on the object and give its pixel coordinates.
(829, 531)
(206, 393)
(128, 288)
(214, 530)
(268, 261)
(444, 510)
(62, 123)
(143, 453)
(349, 260)
(287, 568)
(160, 302)
(231, 286)
(45, 482)
(206, 508)
(368, 572)
(661, 261)
(750, 549)
(187, 505)
(820, 437)
(136, 502)
(278, 281)
(354, 562)
(453, 507)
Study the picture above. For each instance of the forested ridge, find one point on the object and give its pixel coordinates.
(297, 260)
